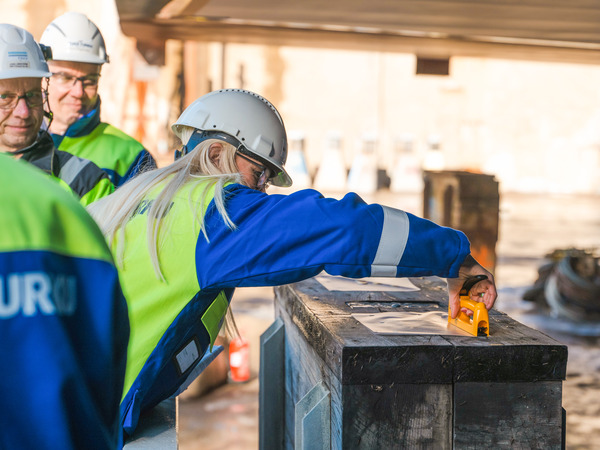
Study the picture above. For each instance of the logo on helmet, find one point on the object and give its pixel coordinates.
(18, 60)
(80, 44)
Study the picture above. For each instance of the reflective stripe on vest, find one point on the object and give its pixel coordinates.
(213, 317)
(83, 178)
(71, 169)
(108, 147)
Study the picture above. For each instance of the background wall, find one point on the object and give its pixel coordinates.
(535, 125)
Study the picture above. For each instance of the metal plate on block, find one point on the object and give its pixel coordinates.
(410, 322)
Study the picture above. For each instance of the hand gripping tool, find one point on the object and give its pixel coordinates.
(478, 324)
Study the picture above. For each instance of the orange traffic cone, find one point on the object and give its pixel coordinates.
(239, 359)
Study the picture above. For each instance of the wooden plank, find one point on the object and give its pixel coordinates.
(353, 352)
(512, 353)
(322, 317)
(397, 416)
(417, 360)
(576, 20)
(364, 40)
(508, 415)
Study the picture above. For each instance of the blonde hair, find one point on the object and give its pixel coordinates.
(114, 211)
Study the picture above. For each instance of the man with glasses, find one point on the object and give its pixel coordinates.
(78, 52)
(22, 71)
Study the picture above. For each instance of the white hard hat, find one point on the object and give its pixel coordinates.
(20, 55)
(251, 120)
(74, 37)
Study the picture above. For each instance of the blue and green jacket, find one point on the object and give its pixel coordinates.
(63, 319)
(118, 154)
(278, 239)
(80, 176)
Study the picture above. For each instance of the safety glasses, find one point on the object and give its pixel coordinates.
(262, 176)
(68, 81)
(9, 100)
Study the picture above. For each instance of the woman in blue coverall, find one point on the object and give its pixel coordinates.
(186, 235)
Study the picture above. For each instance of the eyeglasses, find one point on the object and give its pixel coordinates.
(9, 100)
(262, 176)
(66, 80)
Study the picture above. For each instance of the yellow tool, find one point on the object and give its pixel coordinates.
(478, 324)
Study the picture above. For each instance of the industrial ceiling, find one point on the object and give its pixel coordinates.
(567, 31)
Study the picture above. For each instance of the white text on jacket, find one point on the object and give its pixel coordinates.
(31, 293)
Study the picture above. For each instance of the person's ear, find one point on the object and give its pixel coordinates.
(214, 153)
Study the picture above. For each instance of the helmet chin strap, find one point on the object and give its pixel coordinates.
(46, 51)
(180, 153)
(48, 114)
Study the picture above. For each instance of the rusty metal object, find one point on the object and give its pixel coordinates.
(570, 285)
(469, 202)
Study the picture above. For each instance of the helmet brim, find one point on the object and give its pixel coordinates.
(79, 58)
(25, 73)
(281, 177)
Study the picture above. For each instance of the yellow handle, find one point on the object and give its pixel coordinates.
(478, 323)
(466, 302)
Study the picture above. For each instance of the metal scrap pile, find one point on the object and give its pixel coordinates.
(569, 285)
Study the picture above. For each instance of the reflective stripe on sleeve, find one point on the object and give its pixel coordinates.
(394, 236)
(71, 169)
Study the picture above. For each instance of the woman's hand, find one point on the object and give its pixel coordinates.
(484, 291)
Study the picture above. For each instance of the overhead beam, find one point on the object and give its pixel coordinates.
(157, 30)
(139, 9)
(573, 20)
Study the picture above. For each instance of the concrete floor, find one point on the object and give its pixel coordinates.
(530, 227)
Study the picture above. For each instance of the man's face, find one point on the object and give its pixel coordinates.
(19, 126)
(71, 98)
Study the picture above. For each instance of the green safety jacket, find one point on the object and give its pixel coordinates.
(82, 177)
(118, 154)
(173, 322)
(63, 319)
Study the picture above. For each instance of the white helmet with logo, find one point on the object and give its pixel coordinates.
(244, 119)
(74, 37)
(20, 55)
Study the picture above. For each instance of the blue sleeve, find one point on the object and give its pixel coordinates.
(143, 162)
(282, 239)
(64, 331)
